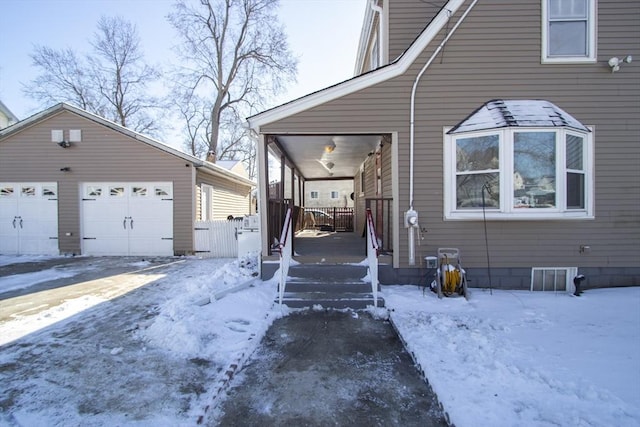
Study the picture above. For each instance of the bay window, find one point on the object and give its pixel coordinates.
(518, 173)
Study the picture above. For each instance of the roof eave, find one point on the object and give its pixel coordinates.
(7, 112)
(214, 169)
(367, 26)
(196, 162)
(397, 68)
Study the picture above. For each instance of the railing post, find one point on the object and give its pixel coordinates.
(372, 256)
(285, 254)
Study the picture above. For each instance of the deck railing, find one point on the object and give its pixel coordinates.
(382, 212)
(284, 246)
(372, 256)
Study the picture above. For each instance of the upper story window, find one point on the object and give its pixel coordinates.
(519, 160)
(314, 195)
(568, 31)
(335, 195)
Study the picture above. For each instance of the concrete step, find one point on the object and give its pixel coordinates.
(302, 286)
(330, 259)
(329, 285)
(307, 300)
(327, 273)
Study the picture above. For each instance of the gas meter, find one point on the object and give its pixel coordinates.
(411, 219)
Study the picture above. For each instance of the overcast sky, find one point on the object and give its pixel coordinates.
(322, 33)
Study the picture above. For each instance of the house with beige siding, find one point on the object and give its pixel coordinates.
(74, 183)
(7, 118)
(507, 130)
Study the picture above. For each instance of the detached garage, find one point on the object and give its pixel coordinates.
(120, 218)
(74, 183)
(29, 218)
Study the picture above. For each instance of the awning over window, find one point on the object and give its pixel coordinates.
(500, 113)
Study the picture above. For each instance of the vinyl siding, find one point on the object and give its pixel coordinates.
(407, 19)
(228, 198)
(496, 54)
(103, 155)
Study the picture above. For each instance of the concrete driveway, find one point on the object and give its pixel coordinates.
(63, 278)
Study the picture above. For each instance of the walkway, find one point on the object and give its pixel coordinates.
(328, 368)
(330, 244)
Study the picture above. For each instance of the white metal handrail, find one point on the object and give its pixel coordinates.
(372, 255)
(285, 254)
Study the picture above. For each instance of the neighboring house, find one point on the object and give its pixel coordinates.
(521, 119)
(74, 183)
(7, 118)
(329, 194)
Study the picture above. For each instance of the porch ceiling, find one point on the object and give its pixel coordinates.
(328, 156)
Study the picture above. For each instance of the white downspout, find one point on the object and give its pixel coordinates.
(412, 255)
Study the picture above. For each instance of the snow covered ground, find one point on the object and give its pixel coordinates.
(158, 355)
(517, 358)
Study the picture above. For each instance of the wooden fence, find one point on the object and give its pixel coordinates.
(217, 239)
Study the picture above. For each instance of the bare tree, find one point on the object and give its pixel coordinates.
(195, 114)
(235, 56)
(112, 81)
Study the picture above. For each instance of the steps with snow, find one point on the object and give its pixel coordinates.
(329, 285)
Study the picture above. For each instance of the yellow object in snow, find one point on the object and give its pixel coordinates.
(451, 280)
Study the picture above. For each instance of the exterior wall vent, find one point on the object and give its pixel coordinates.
(75, 135)
(57, 135)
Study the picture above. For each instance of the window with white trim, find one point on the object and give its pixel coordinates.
(568, 31)
(314, 195)
(6, 191)
(556, 279)
(334, 195)
(206, 202)
(519, 173)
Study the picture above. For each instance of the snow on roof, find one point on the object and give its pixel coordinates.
(227, 164)
(500, 113)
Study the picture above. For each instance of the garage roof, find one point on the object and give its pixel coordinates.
(202, 165)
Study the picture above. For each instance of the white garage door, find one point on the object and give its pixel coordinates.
(127, 218)
(29, 218)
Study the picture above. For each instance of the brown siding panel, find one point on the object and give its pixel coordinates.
(496, 54)
(102, 155)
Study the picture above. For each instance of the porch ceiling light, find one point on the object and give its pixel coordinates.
(330, 147)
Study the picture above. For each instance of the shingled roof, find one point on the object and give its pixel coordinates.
(500, 113)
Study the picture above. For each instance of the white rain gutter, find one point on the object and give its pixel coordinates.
(412, 120)
(378, 9)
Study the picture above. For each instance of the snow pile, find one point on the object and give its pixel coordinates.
(190, 324)
(155, 356)
(522, 358)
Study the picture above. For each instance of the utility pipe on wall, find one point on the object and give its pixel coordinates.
(411, 212)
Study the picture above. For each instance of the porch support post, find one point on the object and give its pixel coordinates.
(263, 192)
(282, 186)
(293, 187)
